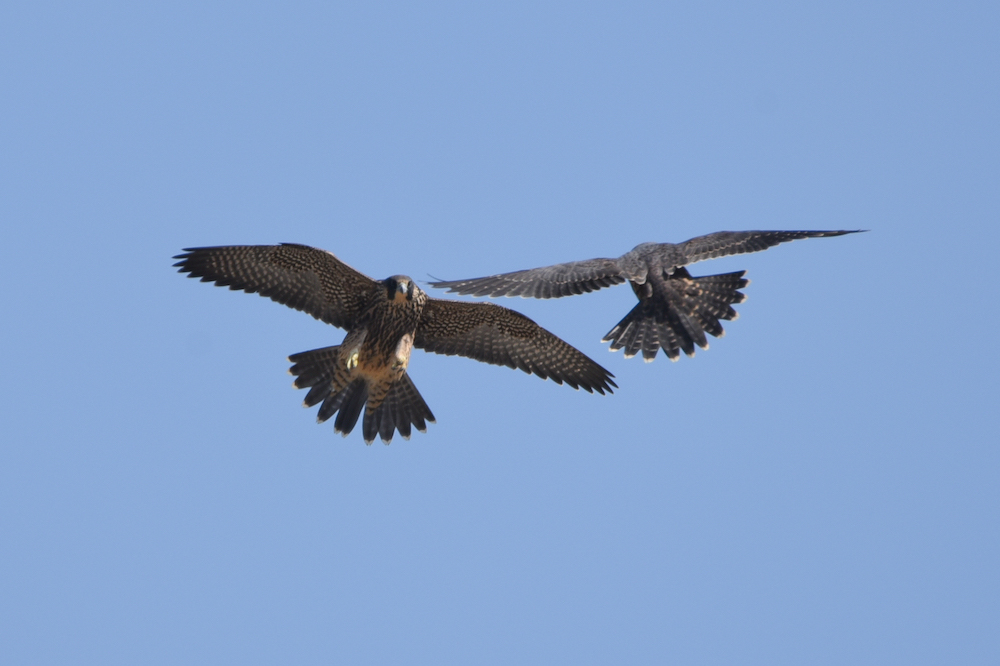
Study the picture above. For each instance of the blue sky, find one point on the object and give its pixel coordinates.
(821, 486)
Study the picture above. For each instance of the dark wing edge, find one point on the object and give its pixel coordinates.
(726, 243)
(499, 336)
(569, 279)
(301, 277)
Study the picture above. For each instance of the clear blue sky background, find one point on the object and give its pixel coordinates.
(821, 486)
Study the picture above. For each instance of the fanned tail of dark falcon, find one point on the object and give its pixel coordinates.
(675, 309)
(384, 320)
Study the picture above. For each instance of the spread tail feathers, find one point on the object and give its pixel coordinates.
(680, 318)
(401, 408)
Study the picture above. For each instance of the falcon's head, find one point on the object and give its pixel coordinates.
(401, 289)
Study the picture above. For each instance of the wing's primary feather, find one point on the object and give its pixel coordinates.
(493, 334)
(301, 277)
(725, 243)
(575, 277)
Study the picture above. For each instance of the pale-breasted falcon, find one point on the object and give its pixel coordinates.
(384, 320)
(675, 310)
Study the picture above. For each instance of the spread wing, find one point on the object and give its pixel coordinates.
(725, 243)
(301, 277)
(575, 277)
(493, 334)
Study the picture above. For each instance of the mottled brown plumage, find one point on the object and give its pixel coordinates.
(384, 320)
(675, 310)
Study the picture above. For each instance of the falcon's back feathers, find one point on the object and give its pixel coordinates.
(675, 309)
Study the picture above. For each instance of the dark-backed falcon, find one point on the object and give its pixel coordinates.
(675, 309)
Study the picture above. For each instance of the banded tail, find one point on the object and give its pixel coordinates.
(401, 408)
(679, 318)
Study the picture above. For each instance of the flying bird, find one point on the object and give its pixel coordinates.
(384, 320)
(675, 309)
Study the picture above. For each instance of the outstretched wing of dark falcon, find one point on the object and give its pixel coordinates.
(675, 309)
(385, 320)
